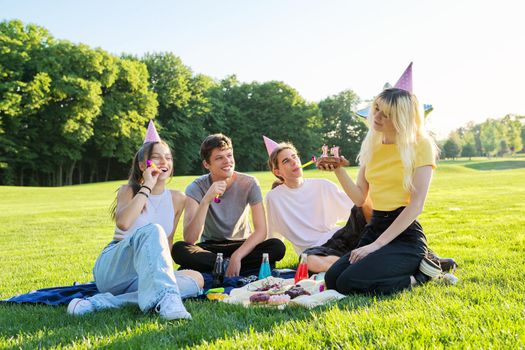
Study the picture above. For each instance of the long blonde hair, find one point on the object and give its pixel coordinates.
(402, 108)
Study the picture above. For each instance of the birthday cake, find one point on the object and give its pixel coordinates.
(329, 157)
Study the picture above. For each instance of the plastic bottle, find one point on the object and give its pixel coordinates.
(302, 269)
(218, 271)
(265, 270)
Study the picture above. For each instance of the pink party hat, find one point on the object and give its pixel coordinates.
(270, 144)
(405, 82)
(151, 133)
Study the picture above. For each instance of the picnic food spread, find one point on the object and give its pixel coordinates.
(279, 293)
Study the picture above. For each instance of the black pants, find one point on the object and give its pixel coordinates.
(201, 256)
(386, 270)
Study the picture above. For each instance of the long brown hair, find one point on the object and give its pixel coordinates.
(135, 179)
(273, 162)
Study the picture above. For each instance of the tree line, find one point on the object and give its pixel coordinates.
(493, 137)
(72, 114)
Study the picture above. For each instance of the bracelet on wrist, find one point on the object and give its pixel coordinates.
(146, 187)
(143, 193)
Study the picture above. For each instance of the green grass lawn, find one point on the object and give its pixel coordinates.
(475, 212)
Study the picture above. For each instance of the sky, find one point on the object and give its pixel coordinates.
(469, 55)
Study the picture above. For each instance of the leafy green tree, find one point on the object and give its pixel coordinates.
(273, 109)
(503, 148)
(182, 105)
(52, 91)
(219, 97)
(452, 147)
(340, 125)
(523, 137)
(512, 128)
(490, 136)
(128, 106)
(65, 124)
(52, 94)
(468, 148)
(23, 91)
(502, 140)
(475, 129)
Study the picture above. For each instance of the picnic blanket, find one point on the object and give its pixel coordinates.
(55, 295)
(247, 277)
(62, 295)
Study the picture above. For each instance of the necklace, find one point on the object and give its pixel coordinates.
(155, 201)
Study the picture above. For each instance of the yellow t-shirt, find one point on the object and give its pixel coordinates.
(384, 173)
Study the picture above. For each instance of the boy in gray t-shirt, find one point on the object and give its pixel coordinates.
(227, 220)
(217, 212)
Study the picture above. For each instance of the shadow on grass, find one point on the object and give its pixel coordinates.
(503, 165)
(43, 326)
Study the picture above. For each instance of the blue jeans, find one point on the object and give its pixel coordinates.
(139, 270)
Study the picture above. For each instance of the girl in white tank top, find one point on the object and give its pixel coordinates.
(136, 267)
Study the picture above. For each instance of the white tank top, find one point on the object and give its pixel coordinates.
(158, 210)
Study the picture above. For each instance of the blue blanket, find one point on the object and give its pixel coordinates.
(55, 295)
(63, 295)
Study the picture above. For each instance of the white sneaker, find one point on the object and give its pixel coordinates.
(430, 268)
(79, 307)
(170, 307)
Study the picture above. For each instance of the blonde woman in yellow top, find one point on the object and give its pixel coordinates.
(397, 159)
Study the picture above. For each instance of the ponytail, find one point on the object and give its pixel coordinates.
(277, 183)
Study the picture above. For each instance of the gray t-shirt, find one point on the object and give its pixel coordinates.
(227, 220)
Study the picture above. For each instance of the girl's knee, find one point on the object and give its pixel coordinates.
(318, 263)
(156, 229)
(349, 282)
(278, 248)
(196, 276)
(151, 231)
(313, 263)
(344, 286)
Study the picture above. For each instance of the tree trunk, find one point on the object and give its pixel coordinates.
(59, 175)
(70, 173)
(79, 173)
(92, 172)
(21, 176)
(107, 170)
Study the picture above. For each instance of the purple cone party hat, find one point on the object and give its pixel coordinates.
(405, 81)
(270, 144)
(151, 134)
